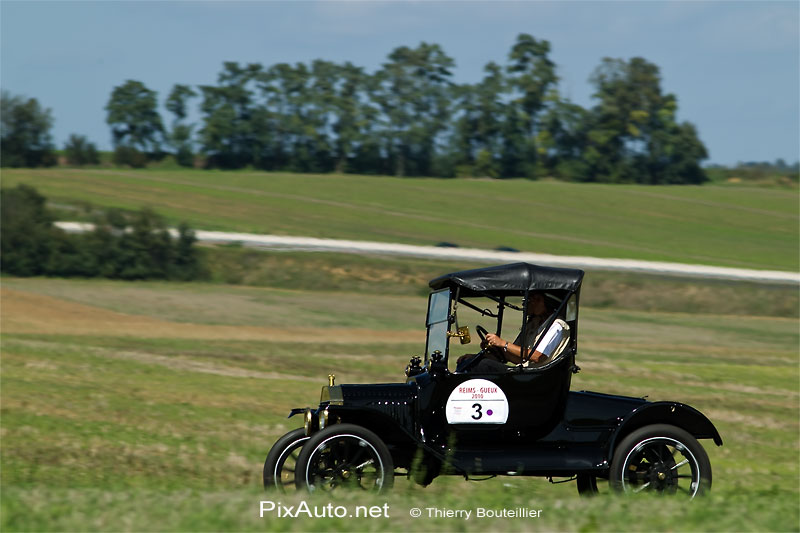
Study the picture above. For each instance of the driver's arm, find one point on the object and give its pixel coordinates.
(513, 352)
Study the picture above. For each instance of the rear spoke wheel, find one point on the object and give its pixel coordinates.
(663, 459)
(279, 467)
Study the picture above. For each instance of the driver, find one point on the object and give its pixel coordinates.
(501, 351)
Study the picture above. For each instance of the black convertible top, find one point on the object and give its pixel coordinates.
(515, 279)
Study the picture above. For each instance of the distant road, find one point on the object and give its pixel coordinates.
(279, 242)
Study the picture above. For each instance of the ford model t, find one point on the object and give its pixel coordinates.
(519, 418)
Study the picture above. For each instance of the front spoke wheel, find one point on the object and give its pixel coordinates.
(345, 455)
(663, 459)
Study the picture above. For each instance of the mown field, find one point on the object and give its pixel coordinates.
(736, 226)
(150, 406)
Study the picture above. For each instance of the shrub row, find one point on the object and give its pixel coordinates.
(127, 246)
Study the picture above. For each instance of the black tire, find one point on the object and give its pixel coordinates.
(591, 485)
(345, 455)
(279, 468)
(660, 458)
(587, 485)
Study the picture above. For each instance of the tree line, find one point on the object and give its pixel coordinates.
(409, 118)
(130, 246)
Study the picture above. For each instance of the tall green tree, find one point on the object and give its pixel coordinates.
(320, 115)
(479, 123)
(516, 154)
(531, 75)
(25, 139)
(132, 113)
(180, 136)
(347, 104)
(343, 118)
(414, 96)
(563, 138)
(229, 135)
(284, 89)
(633, 134)
(371, 145)
(301, 102)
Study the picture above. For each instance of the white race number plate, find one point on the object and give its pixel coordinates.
(477, 401)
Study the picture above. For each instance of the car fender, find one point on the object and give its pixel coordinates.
(673, 413)
(297, 411)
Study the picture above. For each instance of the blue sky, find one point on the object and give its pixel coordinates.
(734, 66)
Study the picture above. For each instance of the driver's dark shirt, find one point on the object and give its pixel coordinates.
(535, 324)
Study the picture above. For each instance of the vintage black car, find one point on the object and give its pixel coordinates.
(517, 419)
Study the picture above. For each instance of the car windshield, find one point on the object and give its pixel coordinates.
(476, 311)
(437, 322)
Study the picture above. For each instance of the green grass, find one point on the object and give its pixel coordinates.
(735, 226)
(407, 276)
(109, 431)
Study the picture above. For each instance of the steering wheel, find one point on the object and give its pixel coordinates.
(466, 364)
(481, 331)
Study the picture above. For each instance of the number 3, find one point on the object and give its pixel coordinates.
(478, 414)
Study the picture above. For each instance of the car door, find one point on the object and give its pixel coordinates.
(478, 409)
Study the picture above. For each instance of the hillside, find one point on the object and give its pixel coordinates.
(735, 226)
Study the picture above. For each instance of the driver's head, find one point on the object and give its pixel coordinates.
(537, 303)
(541, 303)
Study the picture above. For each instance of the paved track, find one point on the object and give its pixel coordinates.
(278, 242)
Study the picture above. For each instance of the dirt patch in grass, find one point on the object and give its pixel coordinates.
(24, 312)
(173, 363)
(202, 367)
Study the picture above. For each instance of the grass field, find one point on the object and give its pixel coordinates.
(151, 406)
(736, 226)
(409, 277)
